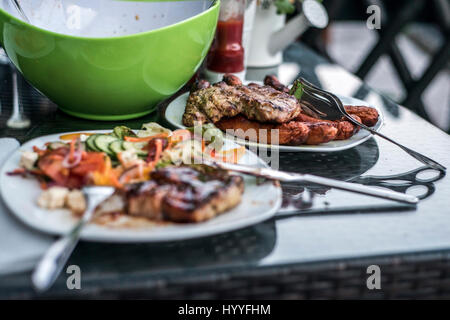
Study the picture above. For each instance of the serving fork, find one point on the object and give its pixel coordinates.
(51, 264)
(327, 106)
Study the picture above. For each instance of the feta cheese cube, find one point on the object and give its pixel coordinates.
(53, 198)
(75, 201)
(28, 159)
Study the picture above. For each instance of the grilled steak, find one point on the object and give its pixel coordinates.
(184, 194)
(230, 98)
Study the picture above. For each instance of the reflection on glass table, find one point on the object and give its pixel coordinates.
(18, 119)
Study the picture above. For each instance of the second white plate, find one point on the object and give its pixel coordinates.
(260, 202)
(175, 110)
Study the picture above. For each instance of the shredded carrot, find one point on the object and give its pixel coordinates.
(203, 145)
(158, 151)
(72, 148)
(230, 155)
(180, 135)
(115, 181)
(144, 139)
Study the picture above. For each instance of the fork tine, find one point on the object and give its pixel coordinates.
(334, 101)
(316, 102)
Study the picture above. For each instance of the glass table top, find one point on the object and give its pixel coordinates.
(315, 223)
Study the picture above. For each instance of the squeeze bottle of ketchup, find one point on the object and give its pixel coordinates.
(227, 53)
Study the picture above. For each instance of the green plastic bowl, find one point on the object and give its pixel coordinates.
(110, 78)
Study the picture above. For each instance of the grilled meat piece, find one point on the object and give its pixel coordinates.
(290, 133)
(368, 116)
(272, 81)
(260, 103)
(200, 84)
(231, 80)
(265, 104)
(320, 132)
(345, 129)
(145, 199)
(211, 104)
(184, 194)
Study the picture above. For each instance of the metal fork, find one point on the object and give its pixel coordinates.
(326, 105)
(51, 264)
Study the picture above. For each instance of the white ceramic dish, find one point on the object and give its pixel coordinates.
(174, 114)
(259, 202)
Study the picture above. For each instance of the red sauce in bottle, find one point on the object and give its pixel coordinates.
(226, 53)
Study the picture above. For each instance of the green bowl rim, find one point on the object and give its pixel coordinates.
(214, 5)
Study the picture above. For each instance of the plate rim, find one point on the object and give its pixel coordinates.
(285, 148)
(140, 235)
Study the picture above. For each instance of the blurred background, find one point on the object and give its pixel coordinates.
(407, 59)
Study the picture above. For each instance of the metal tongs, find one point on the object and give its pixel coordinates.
(309, 178)
(326, 105)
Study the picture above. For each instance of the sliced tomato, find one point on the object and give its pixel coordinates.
(51, 166)
(91, 161)
(75, 181)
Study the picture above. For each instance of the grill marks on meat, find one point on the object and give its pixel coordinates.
(184, 194)
(230, 98)
(266, 104)
(211, 104)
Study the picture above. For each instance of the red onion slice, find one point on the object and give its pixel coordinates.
(76, 159)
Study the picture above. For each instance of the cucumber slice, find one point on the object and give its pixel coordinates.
(136, 146)
(116, 147)
(91, 144)
(102, 142)
(123, 131)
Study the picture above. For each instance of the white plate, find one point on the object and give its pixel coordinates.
(174, 115)
(259, 202)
